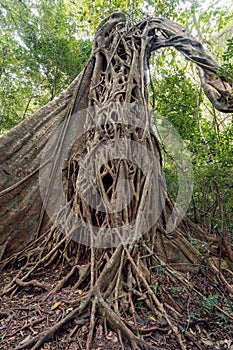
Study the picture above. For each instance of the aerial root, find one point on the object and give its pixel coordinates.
(33, 283)
(122, 278)
(96, 300)
(33, 261)
(63, 281)
(117, 324)
(92, 325)
(157, 303)
(36, 342)
(100, 305)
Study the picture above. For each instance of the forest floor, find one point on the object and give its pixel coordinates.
(27, 313)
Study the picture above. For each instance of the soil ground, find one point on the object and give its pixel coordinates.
(27, 313)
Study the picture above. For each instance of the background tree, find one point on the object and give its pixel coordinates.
(41, 55)
(130, 268)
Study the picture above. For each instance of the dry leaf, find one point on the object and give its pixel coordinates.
(69, 310)
(25, 340)
(207, 342)
(191, 331)
(55, 305)
(152, 318)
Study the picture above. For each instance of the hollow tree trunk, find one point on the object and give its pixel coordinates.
(116, 72)
(116, 201)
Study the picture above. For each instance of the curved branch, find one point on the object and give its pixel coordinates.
(216, 88)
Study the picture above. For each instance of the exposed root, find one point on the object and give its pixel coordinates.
(125, 278)
(92, 324)
(36, 342)
(33, 283)
(62, 282)
(141, 280)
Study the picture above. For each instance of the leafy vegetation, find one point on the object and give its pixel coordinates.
(41, 54)
(227, 66)
(45, 44)
(206, 133)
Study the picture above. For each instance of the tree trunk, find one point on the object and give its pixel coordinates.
(82, 179)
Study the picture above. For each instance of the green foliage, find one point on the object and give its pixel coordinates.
(207, 134)
(227, 67)
(176, 97)
(163, 8)
(90, 13)
(212, 197)
(208, 308)
(176, 101)
(209, 303)
(40, 55)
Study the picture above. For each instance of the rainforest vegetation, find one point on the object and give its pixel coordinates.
(157, 73)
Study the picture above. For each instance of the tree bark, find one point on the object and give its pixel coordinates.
(109, 101)
(116, 72)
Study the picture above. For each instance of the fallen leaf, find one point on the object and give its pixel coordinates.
(25, 340)
(191, 331)
(207, 342)
(3, 336)
(69, 310)
(152, 318)
(55, 305)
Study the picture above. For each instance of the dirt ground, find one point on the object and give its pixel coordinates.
(27, 313)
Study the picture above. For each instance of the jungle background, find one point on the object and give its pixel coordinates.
(45, 44)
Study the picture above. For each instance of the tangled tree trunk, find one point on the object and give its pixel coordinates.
(115, 252)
